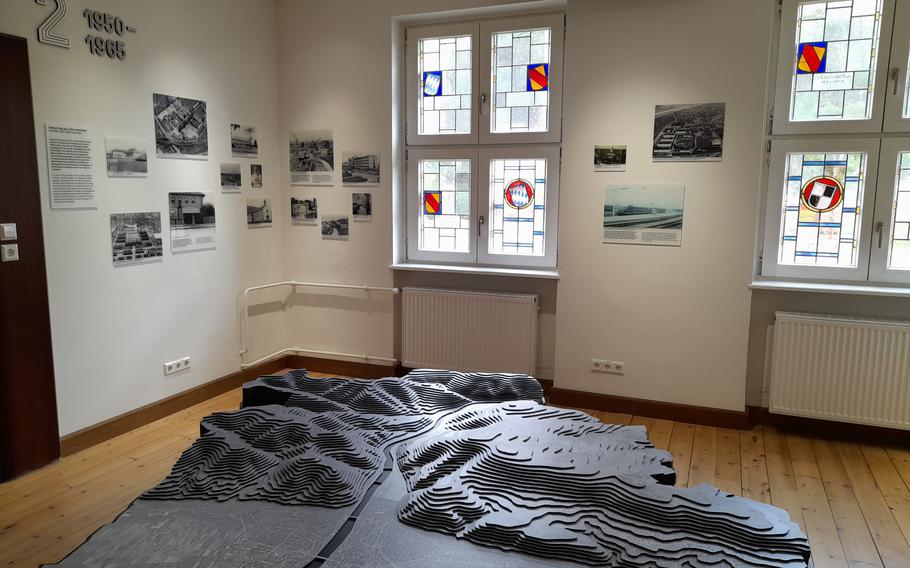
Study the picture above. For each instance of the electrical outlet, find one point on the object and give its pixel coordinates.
(608, 366)
(177, 366)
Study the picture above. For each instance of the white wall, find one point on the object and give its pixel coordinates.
(678, 317)
(113, 327)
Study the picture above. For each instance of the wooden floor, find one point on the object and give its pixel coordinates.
(852, 500)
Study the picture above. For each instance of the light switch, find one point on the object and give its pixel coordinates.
(9, 253)
(8, 232)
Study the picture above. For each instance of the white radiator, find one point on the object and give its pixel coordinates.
(469, 331)
(841, 368)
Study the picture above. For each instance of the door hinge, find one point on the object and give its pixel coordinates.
(768, 153)
(771, 121)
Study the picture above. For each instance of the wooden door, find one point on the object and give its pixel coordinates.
(28, 409)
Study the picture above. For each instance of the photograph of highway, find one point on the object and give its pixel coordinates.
(689, 132)
(643, 214)
(230, 177)
(243, 141)
(360, 168)
(335, 227)
(136, 238)
(126, 157)
(181, 127)
(312, 157)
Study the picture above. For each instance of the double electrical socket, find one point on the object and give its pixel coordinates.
(607, 366)
(176, 366)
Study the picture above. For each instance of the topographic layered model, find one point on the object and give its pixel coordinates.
(438, 468)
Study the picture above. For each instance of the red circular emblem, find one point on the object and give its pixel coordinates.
(519, 194)
(822, 194)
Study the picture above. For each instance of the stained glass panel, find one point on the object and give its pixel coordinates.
(444, 191)
(444, 72)
(899, 250)
(906, 113)
(520, 79)
(518, 197)
(822, 205)
(837, 45)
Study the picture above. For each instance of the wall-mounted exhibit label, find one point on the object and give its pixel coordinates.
(70, 166)
(192, 221)
(644, 214)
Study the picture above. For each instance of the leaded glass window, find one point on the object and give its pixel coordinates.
(837, 49)
(822, 203)
(899, 249)
(520, 81)
(444, 79)
(518, 198)
(444, 191)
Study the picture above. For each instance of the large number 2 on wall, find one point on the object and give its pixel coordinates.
(46, 29)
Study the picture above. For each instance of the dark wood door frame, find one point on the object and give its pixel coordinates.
(29, 437)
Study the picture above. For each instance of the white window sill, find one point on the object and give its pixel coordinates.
(489, 270)
(859, 289)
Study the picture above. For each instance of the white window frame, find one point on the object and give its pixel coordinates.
(898, 74)
(412, 93)
(786, 65)
(884, 212)
(551, 207)
(554, 79)
(774, 204)
(414, 204)
(480, 144)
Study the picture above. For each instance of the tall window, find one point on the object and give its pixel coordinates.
(483, 141)
(838, 205)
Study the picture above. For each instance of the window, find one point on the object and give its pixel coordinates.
(483, 132)
(838, 205)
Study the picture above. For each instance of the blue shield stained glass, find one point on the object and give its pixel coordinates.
(432, 83)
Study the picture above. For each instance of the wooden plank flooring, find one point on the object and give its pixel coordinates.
(852, 500)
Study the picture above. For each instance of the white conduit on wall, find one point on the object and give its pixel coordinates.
(298, 350)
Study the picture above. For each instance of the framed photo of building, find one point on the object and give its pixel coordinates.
(126, 157)
(609, 158)
(136, 238)
(312, 157)
(181, 127)
(336, 227)
(258, 212)
(687, 133)
(192, 221)
(230, 177)
(244, 143)
(256, 176)
(304, 211)
(362, 206)
(360, 168)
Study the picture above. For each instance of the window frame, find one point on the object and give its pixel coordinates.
(413, 205)
(476, 145)
(786, 66)
(552, 154)
(898, 76)
(774, 207)
(556, 23)
(412, 87)
(878, 263)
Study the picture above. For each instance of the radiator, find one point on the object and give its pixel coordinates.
(841, 368)
(469, 331)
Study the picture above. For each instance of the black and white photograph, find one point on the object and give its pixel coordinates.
(243, 141)
(256, 176)
(258, 211)
(360, 168)
(362, 206)
(312, 157)
(192, 218)
(643, 214)
(181, 127)
(609, 158)
(336, 227)
(136, 238)
(304, 211)
(126, 157)
(230, 177)
(685, 133)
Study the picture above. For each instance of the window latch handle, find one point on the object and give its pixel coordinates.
(880, 229)
(480, 222)
(895, 75)
(483, 100)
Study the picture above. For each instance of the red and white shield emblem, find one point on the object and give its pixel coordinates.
(822, 194)
(519, 194)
